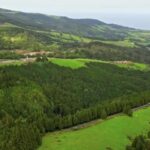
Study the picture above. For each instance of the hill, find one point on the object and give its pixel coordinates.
(60, 72)
(81, 27)
(71, 38)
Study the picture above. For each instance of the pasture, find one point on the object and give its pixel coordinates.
(111, 134)
(78, 63)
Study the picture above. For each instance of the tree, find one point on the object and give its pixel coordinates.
(139, 143)
(42, 59)
(103, 114)
(127, 110)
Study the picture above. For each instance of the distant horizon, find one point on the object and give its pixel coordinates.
(131, 19)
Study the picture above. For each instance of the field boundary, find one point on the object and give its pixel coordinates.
(95, 122)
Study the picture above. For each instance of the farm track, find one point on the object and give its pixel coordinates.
(23, 60)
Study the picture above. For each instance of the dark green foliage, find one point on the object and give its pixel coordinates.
(140, 143)
(81, 27)
(43, 97)
(103, 114)
(12, 37)
(20, 136)
(99, 50)
(10, 55)
(127, 110)
(42, 59)
(25, 31)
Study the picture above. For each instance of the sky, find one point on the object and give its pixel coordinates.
(132, 13)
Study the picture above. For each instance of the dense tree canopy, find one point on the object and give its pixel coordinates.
(41, 97)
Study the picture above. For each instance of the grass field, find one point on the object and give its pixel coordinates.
(78, 63)
(71, 63)
(110, 134)
(135, 66)
(13, 63)
(124, 43)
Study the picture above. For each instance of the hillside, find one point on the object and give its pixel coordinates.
(81, 27)
(74, 83)
(36, 98)
(71, 38)
(57, 72)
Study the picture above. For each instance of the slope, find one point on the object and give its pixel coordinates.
(81, 27)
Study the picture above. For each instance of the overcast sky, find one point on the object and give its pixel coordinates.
(134, 13)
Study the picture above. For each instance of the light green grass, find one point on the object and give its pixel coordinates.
(124, 43)
(69, 37)
(71, 63)
(135, 66)
(13, 63)
(78, 63)
(112, 133)
(74, 63)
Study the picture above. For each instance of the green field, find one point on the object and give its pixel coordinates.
(78, 63)
(124, 43)
(113, 133)
(71, 63)
(135, 66)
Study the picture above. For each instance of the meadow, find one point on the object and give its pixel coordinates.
(111, 134)
(78, 63)
(71, 63)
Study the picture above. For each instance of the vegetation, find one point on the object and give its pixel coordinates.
(127, 110)
(114, 133)
(42, 59)
(140, 143)
(123, 43)
(49, 97)
(10, 55)
(58, 93)
(78, 63)
(72, 63)
(135, 66)
(72, 38)
(98, 50)
(80, 27)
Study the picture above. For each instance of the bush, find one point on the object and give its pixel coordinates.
(41, 59)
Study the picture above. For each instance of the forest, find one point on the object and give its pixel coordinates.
(40, 97)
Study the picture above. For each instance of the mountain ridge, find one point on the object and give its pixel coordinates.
(82, 27)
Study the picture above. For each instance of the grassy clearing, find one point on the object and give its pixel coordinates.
(78, 63)
(135, 66)
(74, 63)
(71, 63)
(124, 43)
(12, 63)
(69, 37)
(112, 133)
